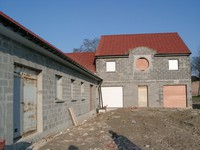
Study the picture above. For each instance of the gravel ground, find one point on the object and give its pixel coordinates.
(131, 129)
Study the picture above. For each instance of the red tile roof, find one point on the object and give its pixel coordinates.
(163, 43)
(86, 59)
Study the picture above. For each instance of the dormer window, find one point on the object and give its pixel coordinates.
(173, 64)
(110, 66)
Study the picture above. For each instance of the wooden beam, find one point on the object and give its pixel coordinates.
(73, 117)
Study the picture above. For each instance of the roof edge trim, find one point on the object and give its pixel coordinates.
(48, 47)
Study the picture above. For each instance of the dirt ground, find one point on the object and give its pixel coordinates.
(131, 128)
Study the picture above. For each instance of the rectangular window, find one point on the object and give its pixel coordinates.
(82, 91)
(110, 66)
(58, 87)
(72, 89)
(173, 64)
(82, 88)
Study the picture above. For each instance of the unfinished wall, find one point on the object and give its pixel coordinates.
(155, 76)
(53, 115)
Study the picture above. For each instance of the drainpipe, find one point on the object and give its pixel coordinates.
(100, 95)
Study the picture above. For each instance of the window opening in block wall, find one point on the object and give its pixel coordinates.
(173, 64)
(72, 88)
(58, 87)
(142, 64)
(82, 89)
(110, 66)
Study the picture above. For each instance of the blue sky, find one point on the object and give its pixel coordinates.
(65, 23)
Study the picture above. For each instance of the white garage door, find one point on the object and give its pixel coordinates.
(112, 96)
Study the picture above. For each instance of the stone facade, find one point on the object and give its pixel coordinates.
(51, 116)
(155, 77)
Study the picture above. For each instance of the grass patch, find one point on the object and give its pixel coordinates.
(196, 98)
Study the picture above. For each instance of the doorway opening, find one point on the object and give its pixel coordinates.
(25, 102)
(142, 96)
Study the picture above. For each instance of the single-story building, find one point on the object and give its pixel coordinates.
(38, 85)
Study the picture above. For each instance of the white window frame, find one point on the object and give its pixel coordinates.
(173, 64)
(110, 66)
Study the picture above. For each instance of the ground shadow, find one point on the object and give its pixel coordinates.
(196, 106)
(122, 142)
(72, 147)
(18, 146)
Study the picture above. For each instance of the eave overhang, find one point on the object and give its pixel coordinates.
(15, 31)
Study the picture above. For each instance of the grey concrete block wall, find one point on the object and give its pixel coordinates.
(54, 114)
(155, 77)
(6, 90)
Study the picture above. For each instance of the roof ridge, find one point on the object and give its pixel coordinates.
(163, 43)
(128, 34)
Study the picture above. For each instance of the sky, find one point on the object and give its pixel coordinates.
(66, 23)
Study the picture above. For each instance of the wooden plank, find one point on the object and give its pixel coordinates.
(73, 117)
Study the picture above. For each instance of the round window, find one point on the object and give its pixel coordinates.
(142, 64)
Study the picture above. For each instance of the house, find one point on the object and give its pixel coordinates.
(38, 85)
(142, 70)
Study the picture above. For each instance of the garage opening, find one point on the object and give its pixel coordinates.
(112, 96)
(174, 96)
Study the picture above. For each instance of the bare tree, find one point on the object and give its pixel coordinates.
(195, 67)
(88, 45)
